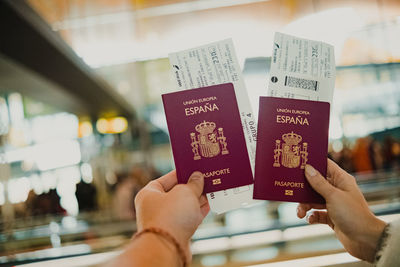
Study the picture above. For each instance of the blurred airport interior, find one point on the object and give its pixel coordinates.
(82, 127)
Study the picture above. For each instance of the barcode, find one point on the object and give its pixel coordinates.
(301, 83)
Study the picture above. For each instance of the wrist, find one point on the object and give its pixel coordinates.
(148, 250)
(371, 237)
(177, 235)
(164, 247)
(167, 240)
(375, 232)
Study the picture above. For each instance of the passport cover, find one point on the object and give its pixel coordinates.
(206, 135)
(291, 134)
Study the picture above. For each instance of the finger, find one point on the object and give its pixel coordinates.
(318, 216)
(318, 182)
(154, 186)
(309, 206)
(339, 177)
(196, 183)
(168, 181)
(302, 208)
(301, 211)
(203, 200)
(205, 209)
(204, 206)
(333, 169)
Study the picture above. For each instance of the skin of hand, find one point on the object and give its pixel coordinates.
(346, 211)
(176, 208)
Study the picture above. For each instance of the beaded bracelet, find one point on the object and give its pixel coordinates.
(167, 236)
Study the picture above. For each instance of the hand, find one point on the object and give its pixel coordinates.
(347, 211)
(176, 208)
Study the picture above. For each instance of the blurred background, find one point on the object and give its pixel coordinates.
(82, 127)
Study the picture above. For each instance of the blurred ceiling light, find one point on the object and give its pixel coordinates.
(70, 204)
(20, 154)
(4, 119)
(18, 189)
(49, 181)
(162, 10)
(90, 21)
(86, 173)
(97, 49)
(337, 146)
(2, 195)
(190, 6)
(16, 108)
(18, 135)
(85, 129)
(36, 184)
(71, 174)
(27, 165)
(332, 26)
(111, 178)
(102, 126)
(119, 124)
(57, 154)
(112, 125)
(65, 187)
(55, 126)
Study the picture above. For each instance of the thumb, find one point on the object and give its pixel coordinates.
(196, 183)
(318, 182)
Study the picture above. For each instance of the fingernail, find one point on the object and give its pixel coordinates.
(196, 175)
(299, 212)
(310, 171)
(308, 217)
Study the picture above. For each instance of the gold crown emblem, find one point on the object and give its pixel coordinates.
(205, 127)
(209, 142)
(291, 138)
(290, 154)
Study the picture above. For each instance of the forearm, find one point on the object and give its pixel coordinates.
(149, 250)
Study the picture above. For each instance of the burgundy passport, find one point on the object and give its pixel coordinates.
(206, 135)
(291, 134)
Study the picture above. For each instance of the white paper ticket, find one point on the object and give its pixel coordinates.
(302, 69)
(212, 64)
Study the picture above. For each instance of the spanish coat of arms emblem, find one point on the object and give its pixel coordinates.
(291, 154)
(208, 142)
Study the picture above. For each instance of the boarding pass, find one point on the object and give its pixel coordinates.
(213, 64)
(301, 69)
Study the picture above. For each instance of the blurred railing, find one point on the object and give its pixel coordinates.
(101, 231)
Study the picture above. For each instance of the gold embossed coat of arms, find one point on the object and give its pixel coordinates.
(208, 142)
(291, 154)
